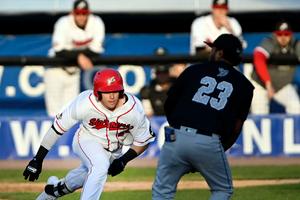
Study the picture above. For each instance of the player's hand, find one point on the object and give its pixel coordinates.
(116, 167)
(270, 89)
(225, 23)
(84, 62)
(33, 170)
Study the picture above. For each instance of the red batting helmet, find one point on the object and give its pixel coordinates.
(108, 80)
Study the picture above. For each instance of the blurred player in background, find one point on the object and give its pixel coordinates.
(154, 95)
(176, 69)
(110, 118)
(275, 81)
(208, 28)
(78, 36)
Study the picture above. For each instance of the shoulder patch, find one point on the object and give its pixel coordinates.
(222, 72)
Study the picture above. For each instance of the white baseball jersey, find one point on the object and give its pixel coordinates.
(68, 36)
(110, 127)
(204, 29)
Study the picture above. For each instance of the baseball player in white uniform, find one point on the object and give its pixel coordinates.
(109, 118)
(77, 36)
(208, 28)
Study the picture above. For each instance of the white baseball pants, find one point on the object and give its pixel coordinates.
(287, 96)
(60, 89)
(91, 175)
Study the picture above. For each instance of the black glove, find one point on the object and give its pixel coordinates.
(33, 169)
(116, 167)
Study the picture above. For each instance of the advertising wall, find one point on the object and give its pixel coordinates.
(276, 135)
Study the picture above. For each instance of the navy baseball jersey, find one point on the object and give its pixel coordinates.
(217, 89)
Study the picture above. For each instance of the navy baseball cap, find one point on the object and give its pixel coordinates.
(81, 7)
(220, 4)
(227, 42)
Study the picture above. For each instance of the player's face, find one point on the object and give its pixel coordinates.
(219, 13)
(80, 19)
(110, 100)
(283, 39)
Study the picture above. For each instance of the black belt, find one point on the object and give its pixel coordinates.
(193, 130)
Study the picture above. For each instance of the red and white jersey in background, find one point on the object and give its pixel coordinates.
(110, 127)
(68, 36)
(204, 29)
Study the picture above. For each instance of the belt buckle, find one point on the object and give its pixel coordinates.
(170, 134)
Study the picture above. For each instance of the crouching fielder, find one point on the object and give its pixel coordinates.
(108, 119)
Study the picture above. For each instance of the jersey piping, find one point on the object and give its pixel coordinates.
(106, 131)
(117, 134)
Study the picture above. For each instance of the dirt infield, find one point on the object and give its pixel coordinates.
(145, 185)
(69, 164)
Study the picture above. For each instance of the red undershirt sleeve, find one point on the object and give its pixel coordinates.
(260, 64)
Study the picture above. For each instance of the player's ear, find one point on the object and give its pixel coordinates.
(219, 54)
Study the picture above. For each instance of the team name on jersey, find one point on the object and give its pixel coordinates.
(80, 43)
(112, 126)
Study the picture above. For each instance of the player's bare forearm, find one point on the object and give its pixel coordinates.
(139, 149)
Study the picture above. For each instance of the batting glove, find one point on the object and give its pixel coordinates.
(116, 167)
(33, 170)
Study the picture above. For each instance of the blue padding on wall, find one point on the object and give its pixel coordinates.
(270, 135)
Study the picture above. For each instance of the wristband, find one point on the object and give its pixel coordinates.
(41, 154)
(128, 156)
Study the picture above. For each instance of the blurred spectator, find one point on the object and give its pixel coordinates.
(77, 36)
(176, 69)
(275, 81)
(208, 28)
(154, 95)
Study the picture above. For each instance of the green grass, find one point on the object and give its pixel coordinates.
(147, 174)
(280, 192)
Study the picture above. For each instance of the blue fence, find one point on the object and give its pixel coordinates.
(276, 135)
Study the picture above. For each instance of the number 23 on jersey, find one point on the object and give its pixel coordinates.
(209, 85)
